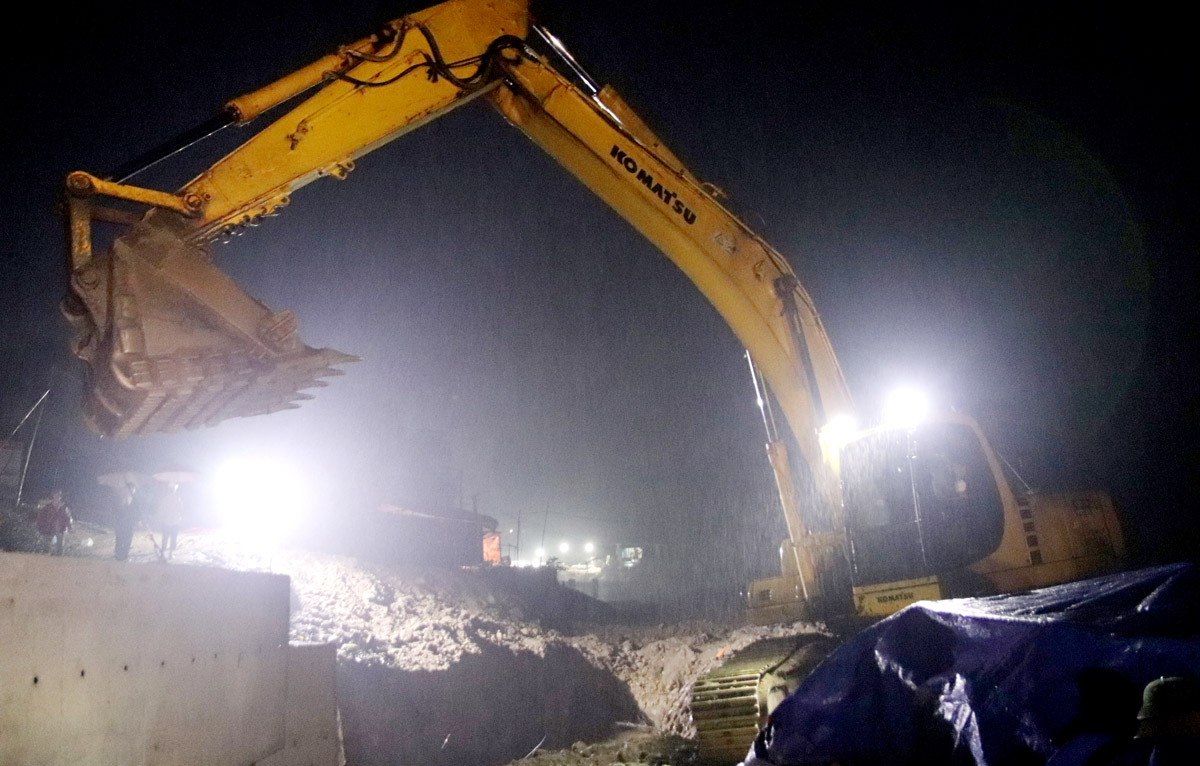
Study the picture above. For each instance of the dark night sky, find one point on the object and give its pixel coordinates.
(994, 202)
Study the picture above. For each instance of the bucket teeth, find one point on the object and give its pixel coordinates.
(331, 372)
(171, 342)
(333, 357)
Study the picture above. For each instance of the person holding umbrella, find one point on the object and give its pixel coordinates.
(127, 516)
(170, 508)
(128, 507)
(169, 515)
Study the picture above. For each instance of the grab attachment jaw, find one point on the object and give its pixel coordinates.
(171, 342)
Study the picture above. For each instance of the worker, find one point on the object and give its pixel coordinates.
(1167, 733)
(53, 521)
(169, 516)
(127, 516)
(1169, 721)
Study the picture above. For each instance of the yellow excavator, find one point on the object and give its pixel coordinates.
(876, 518)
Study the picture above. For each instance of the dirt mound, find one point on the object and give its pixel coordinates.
(491, 706)
(632, 745)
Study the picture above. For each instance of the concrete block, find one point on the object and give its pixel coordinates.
(110, 663)
(312, 736)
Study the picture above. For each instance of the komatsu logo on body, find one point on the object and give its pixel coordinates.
(669, 198)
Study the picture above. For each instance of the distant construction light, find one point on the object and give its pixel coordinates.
(589, 548)
(564, 547)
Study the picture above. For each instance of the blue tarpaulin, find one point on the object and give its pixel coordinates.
(986, 680)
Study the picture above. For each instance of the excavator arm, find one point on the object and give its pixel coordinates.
(172, 343)
(425, 65)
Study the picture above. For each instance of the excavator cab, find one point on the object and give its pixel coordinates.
(917, 505)
(918, 501)
(927, 512)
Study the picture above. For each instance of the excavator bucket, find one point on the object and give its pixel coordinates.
(171, 342)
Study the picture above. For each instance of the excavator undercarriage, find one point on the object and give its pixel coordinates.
(731, 703)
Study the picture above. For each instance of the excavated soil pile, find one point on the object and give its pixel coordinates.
(480, 668)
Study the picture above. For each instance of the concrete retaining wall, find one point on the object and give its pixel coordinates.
(312, 735)
(109, 663)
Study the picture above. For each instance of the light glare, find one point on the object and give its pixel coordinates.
(906, 407)
(840, 428)
(259, 499)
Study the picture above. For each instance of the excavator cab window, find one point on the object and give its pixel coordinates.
(919, 502)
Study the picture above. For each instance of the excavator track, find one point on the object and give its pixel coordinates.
(731, 703)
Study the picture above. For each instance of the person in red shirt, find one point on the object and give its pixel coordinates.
(53, 521)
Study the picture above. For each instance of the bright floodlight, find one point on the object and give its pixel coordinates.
(563, 547)
(589, 548)
(259, 499)
(840, 428)
(905, 407)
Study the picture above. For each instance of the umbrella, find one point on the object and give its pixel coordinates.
(121, 480)
(177, 475)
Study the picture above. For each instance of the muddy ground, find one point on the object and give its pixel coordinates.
(479, 667)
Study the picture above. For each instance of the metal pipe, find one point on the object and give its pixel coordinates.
(786, 287)
(764, 403)
(84, 184)
(27, 414)
(561, 51)
(171, 148)
(29, 453)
